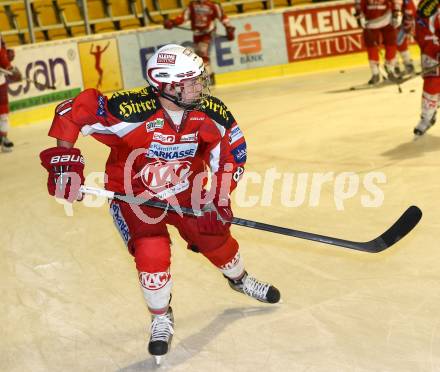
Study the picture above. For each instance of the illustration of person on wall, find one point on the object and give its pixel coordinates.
(202, 15)
(379, 20)
(428, 38)
(6, 57)
(97, 54)
(404, 34)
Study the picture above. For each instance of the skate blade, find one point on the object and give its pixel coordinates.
(158, 360)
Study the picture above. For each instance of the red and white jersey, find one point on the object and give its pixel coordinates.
(4, 60)
(146, 146)
(427, 37)
(202, 15)
(377, 13)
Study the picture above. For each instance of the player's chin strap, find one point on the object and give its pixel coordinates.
(178, 100)
(406, 222)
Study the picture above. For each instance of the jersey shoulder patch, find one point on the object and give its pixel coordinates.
(215, 109)
(86, 107)
(133, 105)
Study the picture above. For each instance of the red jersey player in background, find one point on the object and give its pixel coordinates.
(6, 57)
(406, 29)
(379, 20)
(202, 14)
(162, 139)
(427, 37)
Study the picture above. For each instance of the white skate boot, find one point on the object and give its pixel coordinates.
(423, 126)
(6, 144)
(252, 287)
(162, 330)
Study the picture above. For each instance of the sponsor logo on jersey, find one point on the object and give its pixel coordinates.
(166, 178)
(166, 58)
(235, 134)
(135, 104)
(101, 106)
(165, 138)
(240, 153)
(172, 152)
(120, 223)
(214, 107)
(155, 124)
(154, 281)
(196, 118)
(189, 137)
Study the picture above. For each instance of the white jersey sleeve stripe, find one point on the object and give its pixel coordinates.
(120, 129)
(214, 158)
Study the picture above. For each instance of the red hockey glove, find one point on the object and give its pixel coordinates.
(216, 218)
(230, 33)
(11, 54)
(360, 19)
(65, 167)
(15, 76)
(168, 24)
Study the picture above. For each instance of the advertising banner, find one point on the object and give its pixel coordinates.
(100, 64)
(258, 43)
(55, 64)
(322, 32)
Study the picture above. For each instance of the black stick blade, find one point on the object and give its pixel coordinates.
(407, 221)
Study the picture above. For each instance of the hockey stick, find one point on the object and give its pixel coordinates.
(36, 83)
(151, 20)
(420, 73)
(407, 221)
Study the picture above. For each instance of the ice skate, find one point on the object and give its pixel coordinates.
(423, 126)
(6, 144)
(252, 287)
(162, 330)
(375, 79)
(393, 74)
(409, 68)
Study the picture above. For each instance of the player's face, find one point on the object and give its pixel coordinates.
(192, 90)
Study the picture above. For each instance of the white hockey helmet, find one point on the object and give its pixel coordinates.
(174, 65)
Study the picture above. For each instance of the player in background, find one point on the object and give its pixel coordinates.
(6, 57)
(404, 34)
(427, 37)
(379, 20)
(162, 139)
(202, 15)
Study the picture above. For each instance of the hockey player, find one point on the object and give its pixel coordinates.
(379, 20)
(406, 29)
(162, 139)
(427, 37)
(6, 57)
(202, 14)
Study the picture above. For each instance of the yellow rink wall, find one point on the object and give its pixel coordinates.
(283, 42)
(45, 113)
